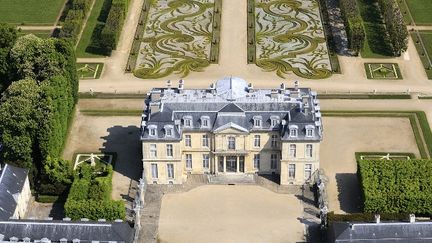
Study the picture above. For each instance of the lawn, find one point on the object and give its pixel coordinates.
(425, 54)
(30, 12)
(382, 71)
(89, 70)
(376, 44)
(421, 11)
(94, 20)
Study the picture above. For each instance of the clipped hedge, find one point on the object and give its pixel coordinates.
(110, 33)
(366, 217)
(396, 186)
(353, 24)
(95, 209)
(74, 20)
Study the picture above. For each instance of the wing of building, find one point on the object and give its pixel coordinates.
(231, 128)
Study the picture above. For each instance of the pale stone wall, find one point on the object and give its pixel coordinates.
(23, 200)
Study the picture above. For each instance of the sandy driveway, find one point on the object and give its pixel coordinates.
(230, 214)
(345, 136)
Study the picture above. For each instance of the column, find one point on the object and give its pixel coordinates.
(224, 164)
(238, 164)
(215, 164)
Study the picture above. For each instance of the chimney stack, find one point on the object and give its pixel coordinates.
(412, 218)
(377, 218)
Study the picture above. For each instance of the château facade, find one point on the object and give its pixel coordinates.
(230, 128)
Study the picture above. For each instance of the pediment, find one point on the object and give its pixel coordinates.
(231, 128)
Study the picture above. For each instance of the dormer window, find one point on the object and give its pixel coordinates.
(205, 121)
(169, 130)
(152, 130)
(257, 121)
(274, 121)
(187, 121)
(293, 131)
(310, 131)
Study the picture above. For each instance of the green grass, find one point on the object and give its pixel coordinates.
(39, 33)
(424, 146)
(359, 154)
(82, 49)
(376, 43)
(30, 12)
(426, 37)
(89, 70)
(421, 11)
(390, 71)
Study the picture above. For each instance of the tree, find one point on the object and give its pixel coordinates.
(19, 122)
(58, 170)
(8, 36)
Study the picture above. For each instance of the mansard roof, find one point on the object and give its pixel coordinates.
(297, 106)
(12, 181)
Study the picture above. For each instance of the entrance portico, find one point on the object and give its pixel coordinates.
(230, 164)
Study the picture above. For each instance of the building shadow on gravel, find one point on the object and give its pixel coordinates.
(349, 194)
(125, 142)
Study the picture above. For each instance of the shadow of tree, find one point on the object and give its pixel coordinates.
(349, 194)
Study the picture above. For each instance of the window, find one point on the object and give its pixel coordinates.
(273, 161)
(154, 171)
(274, 121)
(206, 161)
(152, 131)
(257, 121)
(231, 142)
(308, 171)
(187, 121)
(205, 122)
(153, 150)
(309, 132)
(257, 141)
(257, 161)
(188, 141)
(291, 171)
(169, 130)
(274, 141)
(292, 150)
(205, 140)
(62, 240)
(170, 171)
(309, 150)
(169, 148)
(188, 161)
(293, 131)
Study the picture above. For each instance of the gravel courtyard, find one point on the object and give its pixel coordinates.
(220, 213)
(345, 136)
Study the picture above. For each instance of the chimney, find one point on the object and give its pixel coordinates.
(155, 94)
(274, 94)
(412, 218)
(282, 87)
(181, 85)
(250, 88)
(154, 107)
(377, 218)
(212, 88)
(296, 84)
(168, 84)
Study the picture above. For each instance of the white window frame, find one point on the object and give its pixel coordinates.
(205, 140)
(205, 122)
(293, 150)
(189, 161)
(169, 131)
(273, 161)
(291, 171)
(257, 141)
(152, 130)
(206, 161)
(169, 150)
(274, 121)
(170, 171)
(153, 150)
(154, 171)
(293, 131)
(309, 151)
(310, 130)
(257, 161)
(274, 140)
(188, 121)
(257, 121)
(188, 140)
(307, 170)
(231, 143)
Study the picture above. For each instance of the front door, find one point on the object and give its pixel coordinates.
(231, 164)
(241, 164)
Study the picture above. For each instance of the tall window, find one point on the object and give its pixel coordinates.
(308, 171)
(309, 132)
(169, 149)
(188, 140)
(170, 171)
(273, 161)
(188, 161)
(274, 141)
(188, 121)
(152, 132)
(205, 140)
(293, 132)
(231, 142)
(153, 150)
(309, 150)
(291, 171)
(168, 132)
(292, 150)
(257, 121)
(205, 121)
(206, 161)
(257, 161)
(274, 122)
(154, 171)
(257, 141)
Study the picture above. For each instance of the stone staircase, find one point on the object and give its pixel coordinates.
(233, 179)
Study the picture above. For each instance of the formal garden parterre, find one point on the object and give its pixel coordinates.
(177, 36)
(286, 37)
(423, 44)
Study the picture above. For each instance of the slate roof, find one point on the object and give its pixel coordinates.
(232, 100)
(56, 230)
(12, 180)
(384, 232)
